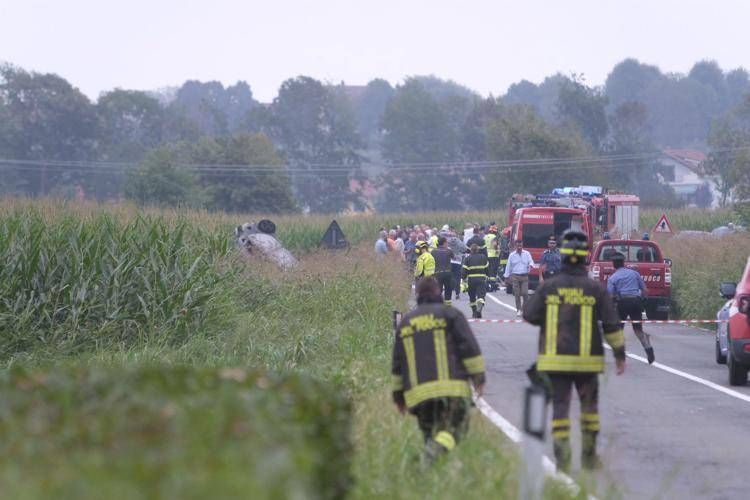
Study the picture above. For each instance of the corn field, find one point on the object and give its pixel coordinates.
(75, 282)
(83, 275)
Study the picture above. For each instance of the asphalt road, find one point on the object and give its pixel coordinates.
(663, 435)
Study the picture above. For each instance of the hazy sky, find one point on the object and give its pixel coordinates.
(487, 45)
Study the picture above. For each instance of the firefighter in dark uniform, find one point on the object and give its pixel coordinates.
(478, 240)
(435, 356)
(474, 276)
(568, 309)
(504, 251)
(443, 255)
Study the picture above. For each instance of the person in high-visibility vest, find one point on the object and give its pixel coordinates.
(425, 262)
(493, 256)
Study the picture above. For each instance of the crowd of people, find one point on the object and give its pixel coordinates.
(469, 260)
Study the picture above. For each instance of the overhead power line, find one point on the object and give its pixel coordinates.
(335, 170)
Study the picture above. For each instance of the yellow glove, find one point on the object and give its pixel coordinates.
(464, 286)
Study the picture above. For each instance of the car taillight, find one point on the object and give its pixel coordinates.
(595, 272)
(667, 276)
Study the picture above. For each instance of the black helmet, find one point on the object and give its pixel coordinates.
(575, 247)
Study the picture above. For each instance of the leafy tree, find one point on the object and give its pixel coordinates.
(162, 180)
(631, 135)
(316, 129)
(709, 73)
(130, 123)
(256, 181)
(583, 107)
(214, 109)
(475, 129)
(43, 117)
(630, 81)
(370, 109)
(738, 86)
(729, 158)
(417, 131)
(542, 98)
(703, 196)
(521, 134)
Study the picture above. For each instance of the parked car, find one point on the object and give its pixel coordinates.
(644, 256)
(733, 336)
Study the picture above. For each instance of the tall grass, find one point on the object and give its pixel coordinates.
(75, 284)
(692, 219)
(699, 265)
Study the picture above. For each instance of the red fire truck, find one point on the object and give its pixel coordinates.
(614, 213)
(533, 218)
(534, 225)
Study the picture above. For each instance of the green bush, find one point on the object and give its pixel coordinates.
(171, 432)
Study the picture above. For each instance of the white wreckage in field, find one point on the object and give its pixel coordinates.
(259, 239)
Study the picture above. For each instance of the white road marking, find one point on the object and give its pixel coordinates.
(515, 435)
(668, 369)
(688, 376)
(498, 301)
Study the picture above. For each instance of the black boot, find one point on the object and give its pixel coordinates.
(562, 451)
(650, 354)
(589, 458)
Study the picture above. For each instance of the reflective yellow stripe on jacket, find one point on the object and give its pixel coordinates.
(437, 389)
(583, 361)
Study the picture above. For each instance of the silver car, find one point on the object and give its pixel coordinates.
(726, 290)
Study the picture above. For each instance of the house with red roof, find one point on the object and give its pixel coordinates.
(686, 167)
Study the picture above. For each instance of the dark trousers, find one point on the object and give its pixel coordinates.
(443, 422)
(456, 273)
(445, 280)
(587, 387)
(477, 291)
(632, 308)
(493, 264)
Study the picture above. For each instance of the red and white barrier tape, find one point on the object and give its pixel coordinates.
(650, 321)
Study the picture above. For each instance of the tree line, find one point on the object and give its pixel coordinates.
(424, 144)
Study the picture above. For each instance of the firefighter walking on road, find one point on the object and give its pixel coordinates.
(425, 266)
(628, 288)
(568, 309)
(435, 356)
(443, 275)
(474, 279)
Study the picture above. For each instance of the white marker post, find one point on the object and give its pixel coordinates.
(531, 484)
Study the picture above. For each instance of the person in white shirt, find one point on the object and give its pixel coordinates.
(517, 269)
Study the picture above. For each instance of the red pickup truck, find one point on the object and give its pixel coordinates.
(645, 257)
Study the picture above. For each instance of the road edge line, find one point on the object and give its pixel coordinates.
(691, 377)
(515, 435)
(498, 301)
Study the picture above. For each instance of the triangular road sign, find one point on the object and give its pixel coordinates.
(663, 226)
(334, 237)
